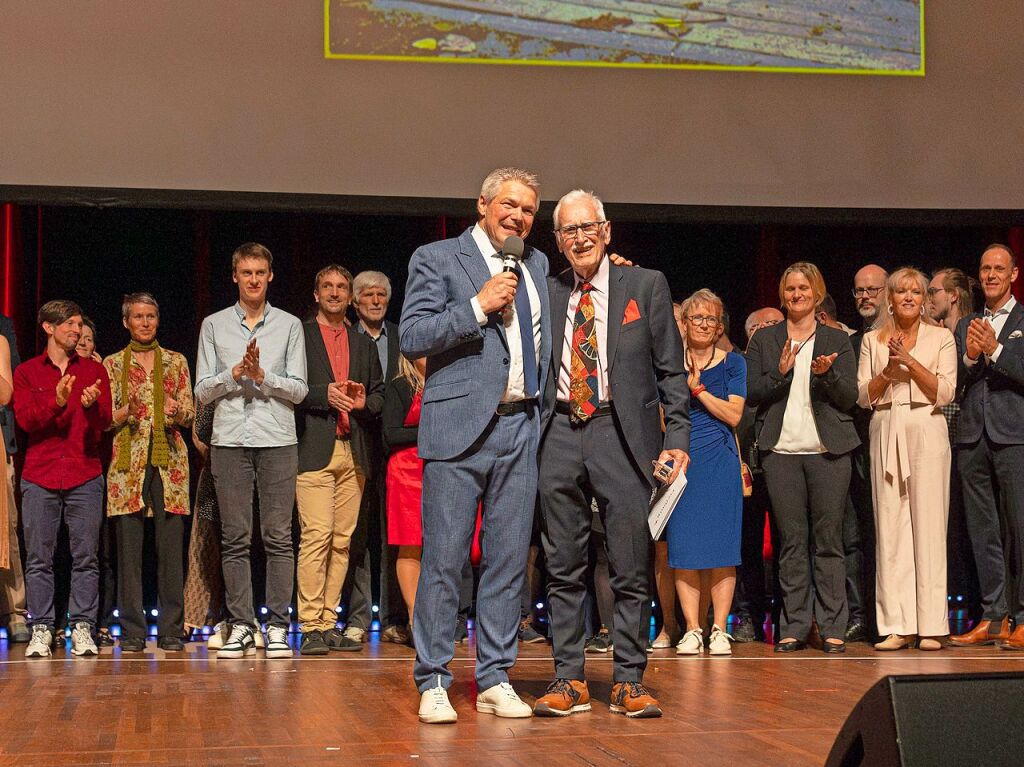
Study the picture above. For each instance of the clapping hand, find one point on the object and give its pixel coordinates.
(171, 407)
(64, 386)
(90, 394)
(788, 357)
(898, 354)
(981, 338)
(346, 396)
(249, 367)
(822, 363)
(693, 372)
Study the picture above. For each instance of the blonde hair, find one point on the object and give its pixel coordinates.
(813, 275)
(886, 320)
(409, 372)
(702, 296)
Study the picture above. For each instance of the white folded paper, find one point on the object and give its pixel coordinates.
(663, 502)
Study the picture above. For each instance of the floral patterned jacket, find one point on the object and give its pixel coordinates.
(124, 488)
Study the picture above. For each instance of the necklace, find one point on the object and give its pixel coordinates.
(693, 358)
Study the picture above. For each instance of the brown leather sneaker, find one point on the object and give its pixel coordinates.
(633, 700)
(1016, 640)
(982, 635)
(564, 697)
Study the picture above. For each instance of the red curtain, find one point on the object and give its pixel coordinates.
(10, 258)
(1015, 240)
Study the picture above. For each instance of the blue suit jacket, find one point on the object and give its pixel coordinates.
(467, 364)
(992, 395)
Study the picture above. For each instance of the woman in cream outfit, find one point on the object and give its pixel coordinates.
(907, 372)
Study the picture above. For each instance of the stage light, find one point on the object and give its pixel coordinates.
(337, 610)
(117, 613)
(263, 611)
(376, 609)
(540, 605)
(959, 597)
(153, 612)
(289, 611)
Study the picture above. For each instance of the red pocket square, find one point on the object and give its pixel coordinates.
(632, 312)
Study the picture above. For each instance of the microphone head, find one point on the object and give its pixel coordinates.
(514, 247)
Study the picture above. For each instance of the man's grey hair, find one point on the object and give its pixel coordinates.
(492, 184)
(575, 196)
(370, 279)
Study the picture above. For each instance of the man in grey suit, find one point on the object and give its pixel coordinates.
(487, 342)
(990, 447)
(616, 356)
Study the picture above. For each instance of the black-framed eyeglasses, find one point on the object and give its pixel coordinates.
(702, 319)
(933, 291)
(869, 292)
(589, 228)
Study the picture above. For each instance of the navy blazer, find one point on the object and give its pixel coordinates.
(833, 394)
(467, 364)
(992, 394)
(645, 361)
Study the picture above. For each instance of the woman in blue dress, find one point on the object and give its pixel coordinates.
(704, 529)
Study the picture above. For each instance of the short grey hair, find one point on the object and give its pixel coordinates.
(492, 184)
(370, 279)
(702, 296)
(138, 298)
(574, 196)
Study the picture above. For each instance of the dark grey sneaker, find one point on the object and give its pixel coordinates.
(170, 644)
(133, 644)
(528, 634)
(600, 642)
(461, 630)
(313, 643)
(19, 633)
(744, 631)
(339, 642)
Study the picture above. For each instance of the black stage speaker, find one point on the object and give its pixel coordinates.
(930, 720)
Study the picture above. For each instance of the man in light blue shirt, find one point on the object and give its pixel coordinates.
(252, 363)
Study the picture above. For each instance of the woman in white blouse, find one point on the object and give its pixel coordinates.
(906, 373)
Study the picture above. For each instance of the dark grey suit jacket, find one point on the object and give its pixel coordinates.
(316, 421)
(833, 394)
(992, 394)
(645, 362)
(6, 413)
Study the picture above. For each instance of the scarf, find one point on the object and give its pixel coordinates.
(161, 452)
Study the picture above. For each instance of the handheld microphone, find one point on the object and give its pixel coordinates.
(512, 253)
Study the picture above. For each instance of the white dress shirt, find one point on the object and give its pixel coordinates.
(799, 435)
(516, 388)
(997, 320)
(599, 297)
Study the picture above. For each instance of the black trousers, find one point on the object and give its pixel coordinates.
(808, 495)
(577, 463)
(169, 532)
(859, 541)
(993, 483)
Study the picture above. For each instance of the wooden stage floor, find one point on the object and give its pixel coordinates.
(755, 708)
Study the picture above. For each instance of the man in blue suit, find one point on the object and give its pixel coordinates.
(487, 341)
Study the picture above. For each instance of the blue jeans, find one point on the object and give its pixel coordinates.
(41, 511)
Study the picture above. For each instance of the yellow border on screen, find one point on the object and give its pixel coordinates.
(328, 54)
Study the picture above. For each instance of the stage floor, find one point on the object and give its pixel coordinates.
(755, 708)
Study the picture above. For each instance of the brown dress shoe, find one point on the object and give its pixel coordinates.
(633, 700)
(1016, 640)
(982, 635)
(564, 697)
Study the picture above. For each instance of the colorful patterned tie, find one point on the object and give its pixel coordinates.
(583, 395)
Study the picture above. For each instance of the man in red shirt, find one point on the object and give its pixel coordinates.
(62, 402)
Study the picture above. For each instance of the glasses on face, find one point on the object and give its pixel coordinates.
(933, 291)
(701, 319)
(589, 228)
(869, 292)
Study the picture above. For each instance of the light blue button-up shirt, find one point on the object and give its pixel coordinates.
(248, 415)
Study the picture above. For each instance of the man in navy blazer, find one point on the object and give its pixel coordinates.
(601, 436)
(486, 338)
(990, 446)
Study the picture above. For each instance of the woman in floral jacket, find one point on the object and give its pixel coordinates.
(148, 475)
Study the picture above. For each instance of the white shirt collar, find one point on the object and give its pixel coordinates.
(600, 279)
(483, 242)
(1004, 309)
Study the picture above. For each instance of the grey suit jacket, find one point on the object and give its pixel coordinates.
(316, 422)
(467, 364)
(645, 361)
(992, 394)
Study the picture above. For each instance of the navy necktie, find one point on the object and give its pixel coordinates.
(525, 316)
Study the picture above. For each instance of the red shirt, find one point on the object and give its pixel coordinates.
(64, 443)
(336, 341)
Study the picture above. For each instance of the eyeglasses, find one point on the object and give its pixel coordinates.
(933, 291)
(869, 292)
(700, 319)
(589, 228)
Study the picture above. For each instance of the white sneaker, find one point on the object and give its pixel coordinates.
(355, 633)
(277, 642)
(501, 700)
(39, 644)
(692, 643)
(240, 644)
(435, 708)
(257, 635)
(219, 636)
(81, 640)
(720, 642)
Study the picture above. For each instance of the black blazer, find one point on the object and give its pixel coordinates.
(992, 395)
(397, 401)
(832, 395)
(316, 421)
(645, 361)
(7, 413)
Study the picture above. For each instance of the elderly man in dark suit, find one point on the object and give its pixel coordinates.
(616, 355)
(346, 394)
(486, 337)
(990, 447)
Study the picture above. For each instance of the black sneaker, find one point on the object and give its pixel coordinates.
(313, 644)
(600, 642)
(337, 641)
(104, 638)
(133, 644)
(461, 630)
(744, 631)
(170, 644)
(527, 633)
